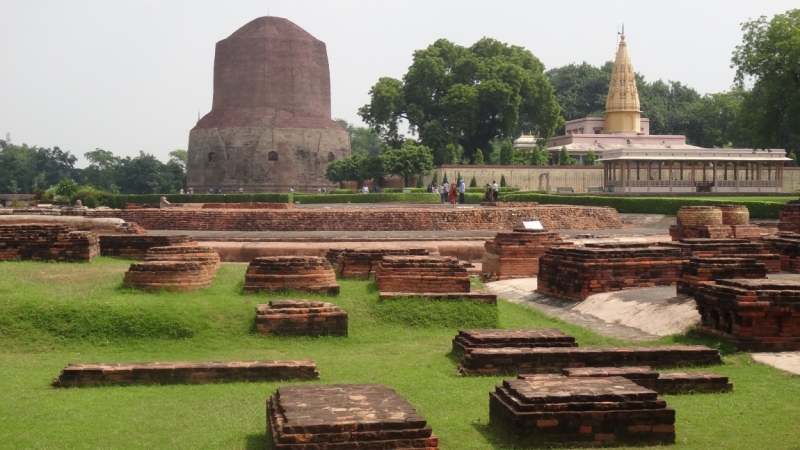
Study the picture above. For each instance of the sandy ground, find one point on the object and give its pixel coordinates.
(788, 361)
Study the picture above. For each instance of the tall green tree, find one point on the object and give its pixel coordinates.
(363, 140)
(506, 153)
(26, 169)
(580, 90)
(590, 158)
(409, 160)
(479, 158)
(464, 95)
(563, 157)
(103, 170)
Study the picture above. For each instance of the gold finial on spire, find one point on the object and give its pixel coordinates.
(622, 104)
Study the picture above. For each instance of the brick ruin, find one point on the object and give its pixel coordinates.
(207, 256)
(762, 252)
(361, 264)
(248, 205)
(435, 277)
(516, 254)
(789, 218)
(301, 318)
(47, 242)
(126, 374)
(699, 272)
(663, 382)
(714, 222)
(345, 416)
(559, 411)
(577, 273)
(178, 276)
(309, 274)
(135, 246)
(787, 246)
(756, 315)
(510, 360)
(468, 340)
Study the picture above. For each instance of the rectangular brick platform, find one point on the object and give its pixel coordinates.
(787, 246)
(509, 360)
(124, 374)
(577, 273)
(702, 271)
(361, 264)
(47, 242)
(516, 254)
(757, 315)
(345, 417)
(179, 276)
(763, 252)
(558, 411)
(749, 232)
(468, 340)
(663, 383)
(301, 318)
(135, 246)
(309, 274)
(420, 274)
(473, 296)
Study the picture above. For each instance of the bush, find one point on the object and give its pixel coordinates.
(473, 182)
(422, 197)
(342, 191)
(502, 181)
(66, 188)
(91, 197)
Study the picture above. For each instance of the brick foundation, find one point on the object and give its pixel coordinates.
(787, 245)
(379, 219)
(577, 273)
(47, 242)
(421, 274)
(516, 254)
(308, 274)
(663, 383)
(558, 411)
(468, 340)
(135, 246)
(361, 264)
(180, 276)
(345, 416)
(206, 256)
(301, 318)
(790, 217)
(509, 360)
(714, 222)
(249, 205)
(757, 315)
(125, 374)
(730, 248)
(699, 215)
(703, 271)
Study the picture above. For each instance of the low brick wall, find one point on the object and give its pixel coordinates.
(361, 264)
(301, 318)
(135, 246)
(47, 242)
(577, 273)
(124, 374)
(468, 340)
(421, 274)
(699, 272)
(735, 214)
(664, 383)
(756, 315)
(680, 232)
(516, 254)
(510, 360)
(249, 205)
(790, 217)
(310, 274)
(761, 251)
(180, 276)
(787, 246)
(206, 256)
(544, 411)
(368, 219)
(345, 416)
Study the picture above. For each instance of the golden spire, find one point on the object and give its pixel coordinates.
(622, 103)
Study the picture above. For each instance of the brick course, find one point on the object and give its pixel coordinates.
(207, 256)
(787, 246)
(308, 274)
(301, 318)
(124, 374)
(663, 383)
(468, 340)
(714, 222)
(248, 205)
(790, 217)
(762, 252)
(361, 264)
(180, 276)
(47, 242)
(136, 245)
(699, 215)
(442, 274)
(516, 254)
(704, 271)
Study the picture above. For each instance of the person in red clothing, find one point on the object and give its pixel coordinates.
(453, 193)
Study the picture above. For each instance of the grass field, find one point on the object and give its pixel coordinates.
(54, 314)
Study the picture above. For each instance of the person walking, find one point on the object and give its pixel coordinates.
(495, 191)
(462, 188)
(453, 193)
(445, 191)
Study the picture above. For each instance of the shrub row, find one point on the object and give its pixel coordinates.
(645, 205)
(308, 199)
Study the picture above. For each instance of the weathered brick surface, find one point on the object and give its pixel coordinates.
(703, 271)
(180, 276)
(473, 296)
(136, 246)
(301, 318)
(124, 374)
(714, 222)
(207, 256)
(516, 254)
(790, 217)
(46, 242)
(757, 315)
(248, 205)
(735, 214)
(553, 217)
(468, 340)
(787, 246)
(558, 411)
(577, 273)
(361, 264)
(510, 360)
(699, 215)
(663, 383)
(762, 252)
(442, 274)
(345, 417)
(308, 274)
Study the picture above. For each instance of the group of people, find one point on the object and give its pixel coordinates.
(492, 192)
(449, 192)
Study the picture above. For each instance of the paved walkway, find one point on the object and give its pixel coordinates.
(788, 361)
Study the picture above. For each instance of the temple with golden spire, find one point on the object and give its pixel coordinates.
(622, 104)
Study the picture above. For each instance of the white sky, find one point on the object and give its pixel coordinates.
(130, 75)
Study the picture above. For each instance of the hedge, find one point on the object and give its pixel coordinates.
(119, 201)
(309, 199)
(645, 205)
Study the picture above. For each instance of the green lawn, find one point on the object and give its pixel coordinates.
(54, 314)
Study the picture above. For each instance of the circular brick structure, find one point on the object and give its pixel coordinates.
(735, 215)
(178, 276)
(699, 215)
(206, 256)
(309, 274)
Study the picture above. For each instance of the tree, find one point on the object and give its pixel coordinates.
(716, 120)
(145, 174)
(473, 182)
(448, 154)
(465, 96)
(506, 153)
(444, 178)
(590, 158)
(409, 160)
(26, 169)
(178, 157)
(540, 156)
(563, 157)
(334, 172)
(102, 170)
(479, 157)
(580, 90)
(363, 140)
(769, 60)
(435, 178)
(503, 181)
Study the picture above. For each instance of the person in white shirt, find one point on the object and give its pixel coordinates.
(365, 189)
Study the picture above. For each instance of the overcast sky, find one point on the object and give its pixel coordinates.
(130, 75)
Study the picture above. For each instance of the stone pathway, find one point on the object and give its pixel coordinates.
(788, 361)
